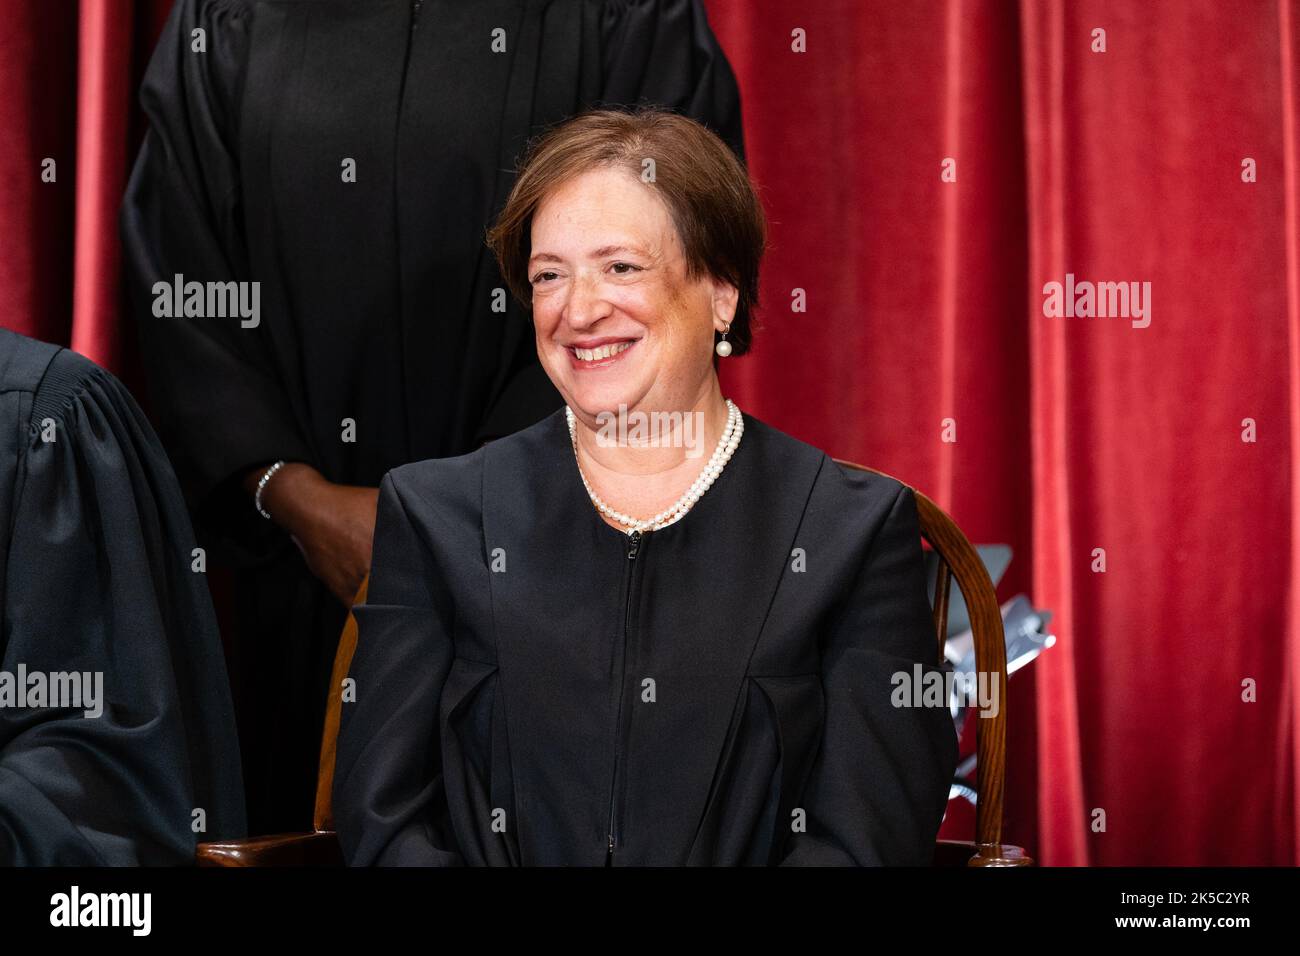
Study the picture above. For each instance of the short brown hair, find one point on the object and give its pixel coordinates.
(704, 185)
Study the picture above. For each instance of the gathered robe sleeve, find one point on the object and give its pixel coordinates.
(879, 783)
(220, 406)
(663, 52)
(390, 802)
(98, 578)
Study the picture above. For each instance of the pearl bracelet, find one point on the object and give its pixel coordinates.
(257, 497)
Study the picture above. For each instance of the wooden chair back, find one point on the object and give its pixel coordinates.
(323, 818)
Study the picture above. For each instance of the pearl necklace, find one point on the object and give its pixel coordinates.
(727, 443)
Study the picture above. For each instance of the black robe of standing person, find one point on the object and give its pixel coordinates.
(533, 687)
(349, 156)
(98, 576)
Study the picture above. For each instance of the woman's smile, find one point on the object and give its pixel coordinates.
(598, 353)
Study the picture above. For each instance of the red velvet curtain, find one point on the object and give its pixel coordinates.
(69, 73)
(903, 310)
(925, 303)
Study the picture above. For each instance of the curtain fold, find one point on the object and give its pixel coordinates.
(1286, 811)
(105, 98)
(1063, 815)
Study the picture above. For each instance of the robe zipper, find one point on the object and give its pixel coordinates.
(634, 547)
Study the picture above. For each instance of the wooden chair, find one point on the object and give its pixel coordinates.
(957, 559)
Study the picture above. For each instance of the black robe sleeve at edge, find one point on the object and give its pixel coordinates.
(220, 407)
(98, 578)
(659, 52)
(879, 784)
(389, 798)
(663, 52)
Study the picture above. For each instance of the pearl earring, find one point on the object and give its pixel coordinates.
(723, 348)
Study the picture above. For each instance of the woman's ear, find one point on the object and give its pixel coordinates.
(725, 300)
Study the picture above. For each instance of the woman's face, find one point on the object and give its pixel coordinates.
(617, 321)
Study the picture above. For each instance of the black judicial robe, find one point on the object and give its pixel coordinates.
(376, 296)
(96, 576)
(530, 687)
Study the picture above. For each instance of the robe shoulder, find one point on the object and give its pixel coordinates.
(57, 378)
(842, 504)
(51, 378)
(456, 483)
(866, 490)
(66, 375)
(23, 362)
(840, 486)
(445, 486)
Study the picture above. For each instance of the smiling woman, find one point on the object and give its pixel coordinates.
(698, 205)
(621, 321)
(583, 651)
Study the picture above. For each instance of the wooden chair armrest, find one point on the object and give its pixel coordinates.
(279, 849)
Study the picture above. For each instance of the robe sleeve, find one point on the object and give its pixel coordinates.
(390, 806)
(218, 401)
(879, 783)
(99, 580)
(663, 52)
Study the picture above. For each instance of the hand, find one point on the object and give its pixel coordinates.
(333, 525)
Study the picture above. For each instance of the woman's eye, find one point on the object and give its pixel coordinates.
(625, 265)
(541, 277)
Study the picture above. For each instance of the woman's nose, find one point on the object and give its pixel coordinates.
(587, 303)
